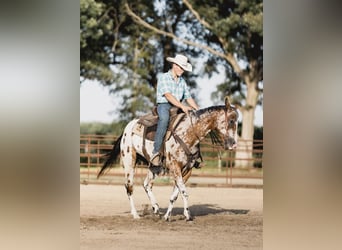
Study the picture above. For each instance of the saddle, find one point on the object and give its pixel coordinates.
(147, 125)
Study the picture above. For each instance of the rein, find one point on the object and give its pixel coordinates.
(192, 126)
(190, 157)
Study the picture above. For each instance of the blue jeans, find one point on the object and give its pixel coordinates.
(163, 121)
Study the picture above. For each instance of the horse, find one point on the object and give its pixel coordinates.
(181, 151)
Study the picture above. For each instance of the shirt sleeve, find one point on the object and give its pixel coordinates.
(186, 91)
(163, 86)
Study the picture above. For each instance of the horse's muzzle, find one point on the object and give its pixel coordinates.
(230, 144)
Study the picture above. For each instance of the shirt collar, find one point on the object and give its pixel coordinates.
(179, 78)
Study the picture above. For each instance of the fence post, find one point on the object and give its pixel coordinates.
(227, 170)
(222, 157)
(219, 162)
(231, 167)
(98, 153)
(88, 154)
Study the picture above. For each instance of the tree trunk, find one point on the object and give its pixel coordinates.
(244, 152)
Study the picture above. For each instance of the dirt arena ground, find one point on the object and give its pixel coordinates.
(224, 218)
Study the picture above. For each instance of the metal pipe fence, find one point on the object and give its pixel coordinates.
(218, 167)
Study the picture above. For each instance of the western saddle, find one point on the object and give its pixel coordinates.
(146, 128)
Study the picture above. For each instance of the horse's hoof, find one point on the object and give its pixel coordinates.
(189, 219)
(167, 217)
(157, 214)
(155, 209)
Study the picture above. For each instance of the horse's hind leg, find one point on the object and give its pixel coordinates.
(128, 156)
(148, 184)
(129, 175)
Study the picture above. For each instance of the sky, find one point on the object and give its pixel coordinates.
(96, 105)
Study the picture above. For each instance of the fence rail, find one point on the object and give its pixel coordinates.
(217, 168)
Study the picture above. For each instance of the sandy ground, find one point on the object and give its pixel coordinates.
(224, 218)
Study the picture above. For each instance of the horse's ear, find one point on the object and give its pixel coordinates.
(227, 102)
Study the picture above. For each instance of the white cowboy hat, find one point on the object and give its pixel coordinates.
(182, 61)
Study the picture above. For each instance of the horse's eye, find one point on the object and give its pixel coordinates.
(231, 122)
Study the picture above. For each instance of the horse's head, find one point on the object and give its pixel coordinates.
(227, 125)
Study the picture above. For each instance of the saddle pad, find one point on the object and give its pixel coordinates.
(138, 129)
(148, 120)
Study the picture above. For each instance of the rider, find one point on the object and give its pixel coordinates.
(171, 90)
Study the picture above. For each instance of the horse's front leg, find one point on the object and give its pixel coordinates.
(148, 184)
(173, 198)
(185, 196)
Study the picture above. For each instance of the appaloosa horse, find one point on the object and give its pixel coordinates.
(181, 151)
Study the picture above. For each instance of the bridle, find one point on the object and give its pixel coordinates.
(227, 121)
(190, 156)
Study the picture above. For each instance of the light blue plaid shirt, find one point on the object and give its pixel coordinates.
(166, 84)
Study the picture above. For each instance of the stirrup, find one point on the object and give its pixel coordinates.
(155, 159)
(155, 169)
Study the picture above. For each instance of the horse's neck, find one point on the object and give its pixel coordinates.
(196, 128)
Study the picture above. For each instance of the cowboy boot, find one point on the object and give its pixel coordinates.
(155, 159)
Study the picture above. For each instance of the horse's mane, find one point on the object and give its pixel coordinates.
(209, 109)
(215, 139)
(212, 109)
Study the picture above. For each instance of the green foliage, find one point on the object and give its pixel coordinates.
(232, 87)
(95, 42)
(117, 51)
(96, 128)
(236, 27)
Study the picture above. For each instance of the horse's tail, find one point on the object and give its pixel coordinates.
(111, 156)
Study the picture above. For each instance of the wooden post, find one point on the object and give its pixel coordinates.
(219, 162)
(88, 154)
(231, 167)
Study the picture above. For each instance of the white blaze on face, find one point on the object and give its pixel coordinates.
(228, 131)
(233, 134)
(236, 134)
(222, 127)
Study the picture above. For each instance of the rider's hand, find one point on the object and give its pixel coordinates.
(186, 109)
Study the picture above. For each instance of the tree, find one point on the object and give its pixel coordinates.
(96, 42)
(231, 31)
(116, 53)
(137, 37)
(125, 56)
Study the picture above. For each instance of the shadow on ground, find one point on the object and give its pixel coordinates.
(198, 210)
